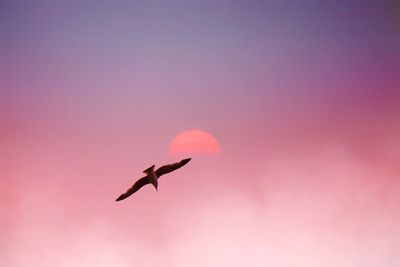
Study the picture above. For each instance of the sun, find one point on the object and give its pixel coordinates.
(194, 142)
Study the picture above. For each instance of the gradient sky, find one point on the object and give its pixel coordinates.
(303, 97)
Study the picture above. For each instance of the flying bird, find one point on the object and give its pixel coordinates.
(152, 177)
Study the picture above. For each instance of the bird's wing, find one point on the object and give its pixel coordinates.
(135, 187)
(171, 167)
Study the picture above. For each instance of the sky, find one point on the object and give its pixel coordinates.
(302, 96)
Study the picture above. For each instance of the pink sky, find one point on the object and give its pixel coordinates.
(303, 100)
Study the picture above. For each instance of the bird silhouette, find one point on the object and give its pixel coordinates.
(152, 177)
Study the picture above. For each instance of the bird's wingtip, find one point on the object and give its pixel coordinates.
(186, 160)
(119, 198)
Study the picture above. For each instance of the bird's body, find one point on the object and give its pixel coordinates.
(152, 177)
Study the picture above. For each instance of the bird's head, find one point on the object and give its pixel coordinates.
(149, 170)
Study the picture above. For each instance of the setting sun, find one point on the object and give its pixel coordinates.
(194, 142)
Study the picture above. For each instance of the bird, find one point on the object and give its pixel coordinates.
(152, 177)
